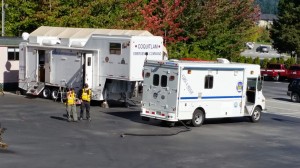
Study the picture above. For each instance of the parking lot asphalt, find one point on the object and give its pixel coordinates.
(39, 136)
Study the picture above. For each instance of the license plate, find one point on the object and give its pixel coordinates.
(294, 72)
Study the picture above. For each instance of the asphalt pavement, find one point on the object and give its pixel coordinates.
(39, 136)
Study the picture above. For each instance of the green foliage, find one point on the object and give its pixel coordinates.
(280, 61)
(241, 59)
(264, 36)
(273, 61)
(264, 63)
(289, 62)
(205, 29)
(249, 60)
(256, 61)
(219, 31)
(286, 30)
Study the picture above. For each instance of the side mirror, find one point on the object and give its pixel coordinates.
(259, 84)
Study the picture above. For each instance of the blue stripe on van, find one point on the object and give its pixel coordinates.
(213, 68)
(211, 97)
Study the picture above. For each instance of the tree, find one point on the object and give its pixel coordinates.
(268, 6)
(225, 26)
(286, 30)
(161, 17)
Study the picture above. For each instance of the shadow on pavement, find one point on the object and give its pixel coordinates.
(7, 151)
(283, 99)
(284, 120)
(58, 118)
(226, 120)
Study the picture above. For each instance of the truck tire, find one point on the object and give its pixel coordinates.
(256, 115)
(295, 97)
(276, 78)
(46, 93)
(54, 94)
(198, 118)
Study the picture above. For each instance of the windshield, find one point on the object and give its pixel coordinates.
(274, 66)
(295, 68)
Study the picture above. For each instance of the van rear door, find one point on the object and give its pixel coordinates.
(160, 92)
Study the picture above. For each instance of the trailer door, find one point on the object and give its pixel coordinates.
(88, 69)
(47, 66)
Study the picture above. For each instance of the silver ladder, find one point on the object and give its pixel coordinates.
(36, 89)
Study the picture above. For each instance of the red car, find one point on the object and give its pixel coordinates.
(294, 72)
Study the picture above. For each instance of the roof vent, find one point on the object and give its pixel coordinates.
(223, 60)
(25, 36)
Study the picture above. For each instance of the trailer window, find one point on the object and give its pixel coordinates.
(155, 79)
(12, 54)
(164, 81)
(209, 80)
(115, 48)
(89, 61)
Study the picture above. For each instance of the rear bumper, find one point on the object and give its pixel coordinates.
(154, 116)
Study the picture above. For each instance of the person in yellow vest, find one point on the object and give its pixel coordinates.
(71, 105)
(86, 95)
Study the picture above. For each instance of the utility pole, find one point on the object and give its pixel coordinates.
(3, 18)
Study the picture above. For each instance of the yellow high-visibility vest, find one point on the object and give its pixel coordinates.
(86, 95)
(71, 98)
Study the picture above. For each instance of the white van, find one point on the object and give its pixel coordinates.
(185, 90)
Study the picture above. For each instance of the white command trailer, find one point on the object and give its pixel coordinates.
(195, 91)
(110, 61)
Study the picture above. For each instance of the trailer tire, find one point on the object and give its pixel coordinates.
(256, 115)
(54, 94)
(198, 118)
(46, 93)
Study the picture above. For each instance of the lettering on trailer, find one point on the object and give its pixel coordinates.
(150, 49)
(149, 53)
(188, 87)
(147, 46)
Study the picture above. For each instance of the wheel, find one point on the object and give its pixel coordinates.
(126, 104)
(46, 93)
(295, 97)
(54, 94)
(276, 78)
(255, 117)
(145, 118)
(198, 118)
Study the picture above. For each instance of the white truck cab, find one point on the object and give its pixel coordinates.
(193, 90)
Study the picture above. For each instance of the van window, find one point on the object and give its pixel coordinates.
(155, 79)
(115, 48)
(164, 81)
(209, 80)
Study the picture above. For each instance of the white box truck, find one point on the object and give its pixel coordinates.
(110, 61)
(195, 91)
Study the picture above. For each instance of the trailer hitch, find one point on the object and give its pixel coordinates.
(2, 144)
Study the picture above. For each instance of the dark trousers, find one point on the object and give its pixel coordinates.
(85, 105)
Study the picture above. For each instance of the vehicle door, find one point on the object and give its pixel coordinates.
(88, 69)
